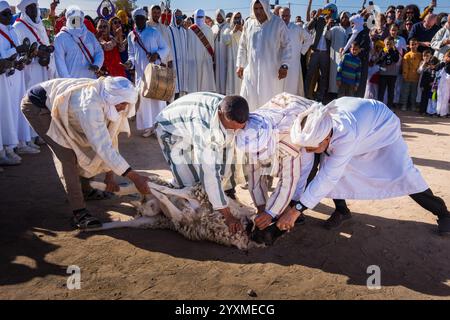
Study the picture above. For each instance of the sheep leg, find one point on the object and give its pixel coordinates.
(180, 193)
(169, 209)
(133, 223)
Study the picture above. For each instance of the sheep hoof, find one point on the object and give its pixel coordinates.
(251, 293)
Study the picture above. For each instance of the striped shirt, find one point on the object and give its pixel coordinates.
(192, 124)
(349, 70)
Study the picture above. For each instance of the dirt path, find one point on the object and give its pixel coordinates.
(37, 244)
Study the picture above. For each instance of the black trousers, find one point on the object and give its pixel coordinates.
(425, 199)
(389, 82)
(424, 99)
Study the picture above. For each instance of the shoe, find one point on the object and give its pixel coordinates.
(148, 133)
(12, 155)
(5, 161)
(27, 150)
(31, 144)
(39, 141)
(336, 219)
(444, 226)
(231, 193)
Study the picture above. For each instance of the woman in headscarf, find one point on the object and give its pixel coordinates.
(78, 54)
(111, 48)
(80, 120)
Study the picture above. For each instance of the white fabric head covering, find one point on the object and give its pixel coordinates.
(116, 90)
(344, 12)
(221, 12)
(232, 19)
(358, 22)
(4, 5)
(173, 20)
(256, 138)
(139, 12)
(25, 3)
(150, 19)
(78, 30)
(266, 6)
(317, 127)
(199, 13)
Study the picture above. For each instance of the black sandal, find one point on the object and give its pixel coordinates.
(96, 195)
(84, 220)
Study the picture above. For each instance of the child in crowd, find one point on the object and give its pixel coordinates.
(374, 71)
(388, 61)
(443, 87)
(349, 72)
(410, 66)
(427, 76)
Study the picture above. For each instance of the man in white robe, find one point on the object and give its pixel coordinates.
(15, 129)
(179, 43)
(364, 157)
(197, 136)
(42, 67)
(80, 120)
(301, 40)
(146, 45)
(78, 54)
(338, 36)
(232, 39)
(220, 50)
(264, 55)
(154, 22)
(201, 55)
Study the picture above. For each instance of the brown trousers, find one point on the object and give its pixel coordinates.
(65, 160)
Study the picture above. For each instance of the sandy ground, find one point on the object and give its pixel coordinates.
(37, 243)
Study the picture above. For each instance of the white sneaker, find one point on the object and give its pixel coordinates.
(5, 161)
(12, 155)
(31, 144)
(148, 133)
(27, 150)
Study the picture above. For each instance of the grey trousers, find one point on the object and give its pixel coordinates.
(319, 60)
(65, 160)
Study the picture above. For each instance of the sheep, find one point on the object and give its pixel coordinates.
(186, 211)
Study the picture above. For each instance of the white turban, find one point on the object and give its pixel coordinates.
(116, 90)
(3, 6)
(139, 12)
(257, 138)
(317, 127)
(25, 3)
(199, 13)
(221, 12)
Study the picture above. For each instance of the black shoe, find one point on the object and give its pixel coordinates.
(231, 193)
(266, 236)
(83, 220)
(444, 226)
(336, 219)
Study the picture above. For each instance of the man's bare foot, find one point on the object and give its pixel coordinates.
(287, 219)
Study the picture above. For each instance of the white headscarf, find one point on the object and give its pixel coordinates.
(266, 6)
(116, 90)
(3, 6)
(77, 31)
(317, 127)
(173, 21)
(38, 25)
(256, 138)
(222, 13)
(150, 12)
(232, 24)
(201, 13)
(358, 22)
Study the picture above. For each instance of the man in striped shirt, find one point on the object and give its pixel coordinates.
(196, 135)
(267, 139)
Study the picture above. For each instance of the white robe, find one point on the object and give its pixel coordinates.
(234, 83)
(165, 32)
(200, 63)
(154, 42)
(220, 51)
(338, 36)
(14, 126)
(262, 51)
(71, 62)
(301, 40)
(443, 94)
(179, 43)
(368, 157)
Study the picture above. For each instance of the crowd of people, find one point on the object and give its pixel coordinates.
(72, 82)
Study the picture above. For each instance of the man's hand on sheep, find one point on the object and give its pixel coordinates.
(263, 220)
(111, 184)
(233, 223)
(139, 181)
(286, 222)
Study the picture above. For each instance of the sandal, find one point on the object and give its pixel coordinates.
(95, 195)
(84, 220)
